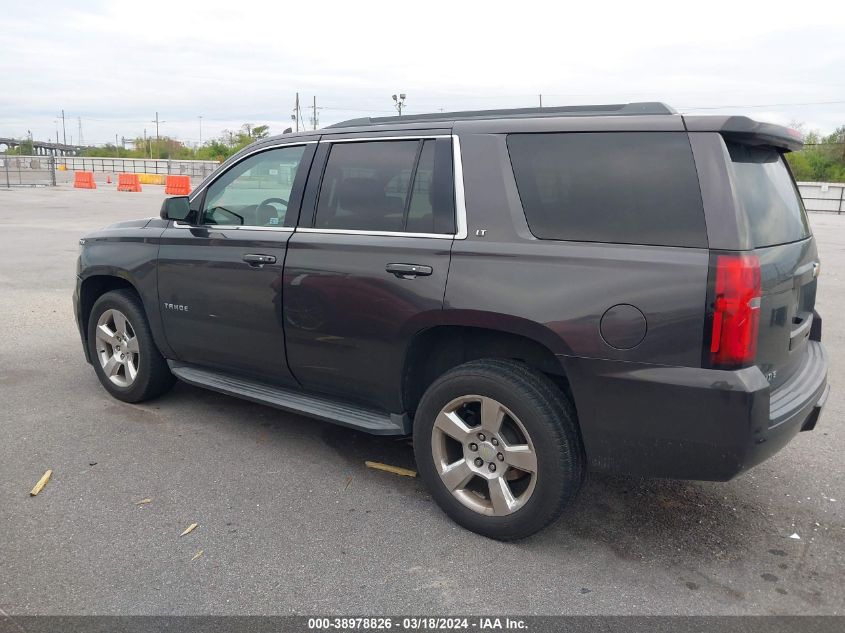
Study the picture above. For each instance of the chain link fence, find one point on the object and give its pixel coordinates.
(29, 171)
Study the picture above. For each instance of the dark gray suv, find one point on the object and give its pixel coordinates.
(528, 293)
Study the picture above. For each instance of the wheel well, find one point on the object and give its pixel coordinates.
(95, 287)
(439, 349)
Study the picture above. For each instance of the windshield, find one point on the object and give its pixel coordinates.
(768, 194)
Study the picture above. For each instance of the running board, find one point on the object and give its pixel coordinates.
(294, 401)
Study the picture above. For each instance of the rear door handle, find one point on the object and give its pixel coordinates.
(408, 271)
(258, 261)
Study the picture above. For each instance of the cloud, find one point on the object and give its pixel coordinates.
(115, 64)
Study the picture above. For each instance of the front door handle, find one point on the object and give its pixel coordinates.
(257, 261)
(408, 271)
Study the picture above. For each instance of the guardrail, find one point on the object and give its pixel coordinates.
(823, 197)
(23, 171)
(193, 168)
(15, 171)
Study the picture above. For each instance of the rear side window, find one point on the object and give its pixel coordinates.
(767, 193)
(396, 186)
(623, 187)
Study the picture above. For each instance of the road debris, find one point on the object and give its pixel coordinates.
(189, 529)
(795, 536)
(41, 483)
(143, 502)
(348, 481)
(396, 470)
(197, 555)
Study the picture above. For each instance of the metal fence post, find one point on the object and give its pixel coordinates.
(6, 164)
(841, 198)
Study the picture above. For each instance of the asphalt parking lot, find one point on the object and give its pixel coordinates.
(292, 522)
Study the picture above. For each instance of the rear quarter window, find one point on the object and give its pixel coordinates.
(621, 187)
(768, 195)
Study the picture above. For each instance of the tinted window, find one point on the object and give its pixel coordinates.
(762, 181)
(254, 192)
(381, 186)
(625, 187)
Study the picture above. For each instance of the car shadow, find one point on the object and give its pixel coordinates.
(635, 518)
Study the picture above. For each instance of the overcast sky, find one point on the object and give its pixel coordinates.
(114, 64)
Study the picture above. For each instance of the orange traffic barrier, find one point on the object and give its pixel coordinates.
(178, 185)
(128, 182)
(84, 180)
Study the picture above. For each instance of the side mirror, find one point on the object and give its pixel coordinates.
(176, 208)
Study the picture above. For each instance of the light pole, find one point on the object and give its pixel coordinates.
(200, 118)
(399, 102)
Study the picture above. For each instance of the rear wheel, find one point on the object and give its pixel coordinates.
(498, 446)
(122, 349)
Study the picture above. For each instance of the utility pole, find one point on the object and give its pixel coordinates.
(399, 102)
(158, 147)
(64, 133)
(200, 118)
(314, 108)
(80, 141)
(297, 113)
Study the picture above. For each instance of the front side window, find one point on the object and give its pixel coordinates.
(622, 187)
(256, 191)
(386, 186)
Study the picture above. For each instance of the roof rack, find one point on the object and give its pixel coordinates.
(613, 109)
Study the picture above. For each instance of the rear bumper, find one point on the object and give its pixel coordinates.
(691, 423)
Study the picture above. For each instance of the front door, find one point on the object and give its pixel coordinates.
(220, 277)
(368, 270)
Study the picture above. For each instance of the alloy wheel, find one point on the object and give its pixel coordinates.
(484, 455)
(117, 348)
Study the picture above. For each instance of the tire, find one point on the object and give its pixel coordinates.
(536, 416)
(143, 373)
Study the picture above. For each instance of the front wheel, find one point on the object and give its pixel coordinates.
(497, 444)
(122, 349)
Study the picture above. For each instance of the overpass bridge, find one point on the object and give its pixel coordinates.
(42, 148)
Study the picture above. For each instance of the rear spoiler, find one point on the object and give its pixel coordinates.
(747, 131)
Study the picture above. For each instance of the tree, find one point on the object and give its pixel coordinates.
(218, 149)
(822, 159)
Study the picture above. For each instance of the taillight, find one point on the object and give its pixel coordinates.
(736, 311)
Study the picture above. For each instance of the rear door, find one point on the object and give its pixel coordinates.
(780, 236)
(220, 277)
(366, 268)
